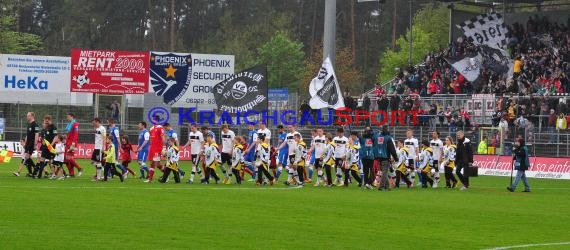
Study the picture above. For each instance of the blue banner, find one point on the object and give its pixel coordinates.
(170, 75)
(280, 95)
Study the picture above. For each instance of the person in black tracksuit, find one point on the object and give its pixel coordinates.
(464, 158)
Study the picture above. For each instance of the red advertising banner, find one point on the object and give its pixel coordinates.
(84, 151)
(541, 167)
(109, 72)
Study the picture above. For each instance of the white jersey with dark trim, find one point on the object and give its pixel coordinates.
(196, 139)
(341, 144)
(227, 141)
(412, 145)
(319, 143)
(291, 143)
(437, 147)
(100, 134)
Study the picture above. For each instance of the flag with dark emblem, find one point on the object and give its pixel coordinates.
(170, 75)
(324, 88)
(243, 91)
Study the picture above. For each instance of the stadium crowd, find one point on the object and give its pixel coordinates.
(540, 72)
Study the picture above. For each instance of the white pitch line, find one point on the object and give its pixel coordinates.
(530, 245)
(152, 188)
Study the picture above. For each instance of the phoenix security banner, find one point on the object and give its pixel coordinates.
(38, 74)
(187, 80)
(109, 72)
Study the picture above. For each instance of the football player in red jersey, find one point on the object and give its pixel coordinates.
(156, 145)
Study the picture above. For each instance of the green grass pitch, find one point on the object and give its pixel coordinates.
(80, 214)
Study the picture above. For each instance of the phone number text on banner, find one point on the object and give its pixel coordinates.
(109, 72)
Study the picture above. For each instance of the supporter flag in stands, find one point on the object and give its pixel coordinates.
(6, 156)
(486, 29)
(469, 66)
(496, 60)
(246, 90)
(324, 89)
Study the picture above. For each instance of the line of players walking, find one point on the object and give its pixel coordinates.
(370, 159)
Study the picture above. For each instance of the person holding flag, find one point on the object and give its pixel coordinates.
(47, 152)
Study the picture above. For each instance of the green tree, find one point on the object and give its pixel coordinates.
(17, 42)
(430, 33)
(284, 60)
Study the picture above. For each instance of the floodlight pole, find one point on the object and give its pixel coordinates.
(411, 34)
(329, 41)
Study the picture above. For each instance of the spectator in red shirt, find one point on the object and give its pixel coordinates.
(71, 142)
(432, 88)
(378, 91)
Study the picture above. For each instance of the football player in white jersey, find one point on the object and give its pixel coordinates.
(341, 144)
(100, 135)
(437, 147)
(292, 147)
(196, 143)
(263, 130)
(318, 146)
(227, 148)
(412, 144)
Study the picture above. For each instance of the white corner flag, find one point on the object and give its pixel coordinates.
(324, 89)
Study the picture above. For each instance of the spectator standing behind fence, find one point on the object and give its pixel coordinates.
(551, 126)
(521, 164)
(114, 110)
(561, 122)
(482, 148)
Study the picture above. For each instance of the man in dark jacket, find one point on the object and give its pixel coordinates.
(367, 147)
(522, 163)
(384, 149)
(463, 158)
(382, 103)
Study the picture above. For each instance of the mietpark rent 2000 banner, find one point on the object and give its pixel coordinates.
(109, 72)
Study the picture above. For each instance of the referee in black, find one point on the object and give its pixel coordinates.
(32, 131)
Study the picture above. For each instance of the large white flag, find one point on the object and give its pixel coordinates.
(469, 66)
(486, 29)
(324, 89)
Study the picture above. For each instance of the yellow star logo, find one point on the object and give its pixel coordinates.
(170, 71)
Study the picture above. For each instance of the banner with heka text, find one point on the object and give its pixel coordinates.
(37, 74)
(109, 72)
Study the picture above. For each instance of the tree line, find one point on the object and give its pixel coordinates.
(284, 35)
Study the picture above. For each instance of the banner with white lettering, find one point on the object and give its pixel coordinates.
(540, 167)
(195, 88)
(109, 72)
(244, 91)
(39, 74)
(486, 29)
